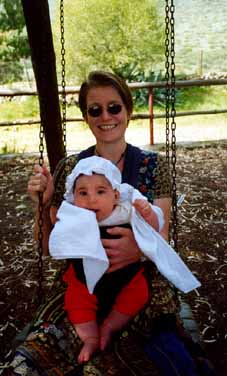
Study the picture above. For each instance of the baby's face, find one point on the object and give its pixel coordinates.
(95, 193)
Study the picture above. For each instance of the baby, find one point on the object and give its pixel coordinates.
(97, 303)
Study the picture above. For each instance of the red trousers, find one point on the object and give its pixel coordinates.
(81, 306)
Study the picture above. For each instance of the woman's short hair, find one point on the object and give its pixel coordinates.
(101, 78)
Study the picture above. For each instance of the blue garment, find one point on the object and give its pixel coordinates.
(170, 355)
(172, 358)
(133, 157)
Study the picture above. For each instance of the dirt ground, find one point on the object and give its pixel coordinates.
(202, 241)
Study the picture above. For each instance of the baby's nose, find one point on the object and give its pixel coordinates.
(92, 199)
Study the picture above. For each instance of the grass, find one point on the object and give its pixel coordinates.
(19, 108)
(19, 139)
(202, 98)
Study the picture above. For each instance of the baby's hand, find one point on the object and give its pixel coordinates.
(146, 211)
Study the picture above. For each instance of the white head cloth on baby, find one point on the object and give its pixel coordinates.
(76, 233)
(89, 166)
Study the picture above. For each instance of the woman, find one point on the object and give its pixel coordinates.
(152, 343)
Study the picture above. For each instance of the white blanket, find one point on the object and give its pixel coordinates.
(76, 235)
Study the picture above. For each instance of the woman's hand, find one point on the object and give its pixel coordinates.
(41, 181)
(123, 251)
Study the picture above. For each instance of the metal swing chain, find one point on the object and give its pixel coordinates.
(63, 95)
(173, 126)
(167, 64)
(41, 163)
(170, 110)
(40, 215)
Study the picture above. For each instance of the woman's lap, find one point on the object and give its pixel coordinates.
(52, 346)
(48, 350)
(52, 351)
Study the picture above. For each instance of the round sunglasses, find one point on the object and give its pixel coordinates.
(96, 110)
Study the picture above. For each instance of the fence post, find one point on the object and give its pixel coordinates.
(151, 115)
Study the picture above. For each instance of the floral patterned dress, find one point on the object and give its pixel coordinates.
(52, 345)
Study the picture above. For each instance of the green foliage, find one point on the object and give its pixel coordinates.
(20, 108)
(140, 96)
(192, 97)
(8, 149)
(30, 107)
(13, 40)
(125, 37)
(11, 15)
(9, 72)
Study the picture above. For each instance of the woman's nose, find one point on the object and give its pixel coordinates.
(105, 114)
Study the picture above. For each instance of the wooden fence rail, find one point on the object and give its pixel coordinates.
(133, 86)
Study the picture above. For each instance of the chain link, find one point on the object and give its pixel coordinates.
(40, 249)
(173, 127)
(63, 96)
(167, 77)
(41, 162)
(171, 111)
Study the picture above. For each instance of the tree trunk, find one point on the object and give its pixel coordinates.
(38, 24)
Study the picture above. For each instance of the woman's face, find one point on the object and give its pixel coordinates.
(106, 126)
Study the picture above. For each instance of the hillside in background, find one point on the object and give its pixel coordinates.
(201, 29)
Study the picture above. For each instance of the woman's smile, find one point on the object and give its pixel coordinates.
(107, 127)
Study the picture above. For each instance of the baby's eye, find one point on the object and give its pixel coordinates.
(101, 191)
(82, 193)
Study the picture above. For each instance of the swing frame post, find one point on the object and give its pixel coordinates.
(37, 19)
